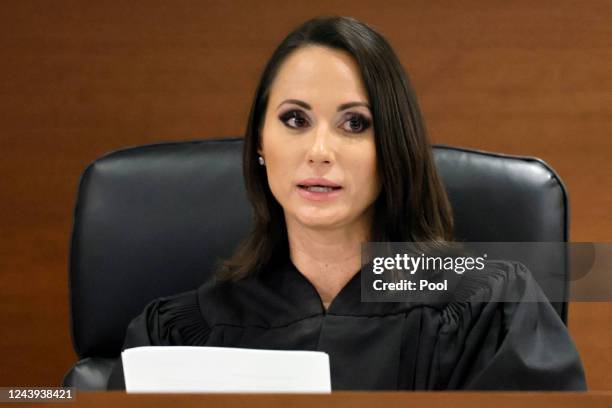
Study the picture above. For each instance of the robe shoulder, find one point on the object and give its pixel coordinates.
(165, 321)
(503, 333)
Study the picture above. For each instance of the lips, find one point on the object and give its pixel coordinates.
(318, 182)
(319, 189)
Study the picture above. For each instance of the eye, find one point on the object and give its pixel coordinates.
(356, 123)
(294, 119)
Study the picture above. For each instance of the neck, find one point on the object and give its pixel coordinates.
(328, 258)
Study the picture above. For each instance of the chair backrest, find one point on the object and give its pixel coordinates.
(153, 220)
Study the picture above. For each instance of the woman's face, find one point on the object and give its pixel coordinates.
(318, 131)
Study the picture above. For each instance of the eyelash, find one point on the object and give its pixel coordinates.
(298, 114)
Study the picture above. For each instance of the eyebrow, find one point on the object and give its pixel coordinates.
(308, 107)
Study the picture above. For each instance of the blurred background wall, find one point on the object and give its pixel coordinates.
(81, 78)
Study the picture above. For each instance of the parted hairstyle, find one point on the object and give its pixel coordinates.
(412, 205)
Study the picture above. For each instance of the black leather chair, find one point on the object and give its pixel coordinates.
(153, 220)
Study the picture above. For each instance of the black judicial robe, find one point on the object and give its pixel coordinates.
(475, 342)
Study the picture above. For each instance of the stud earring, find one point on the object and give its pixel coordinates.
(261, 161)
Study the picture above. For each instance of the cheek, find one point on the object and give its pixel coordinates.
(280, 169)
(278, 176)
(366, 177)
(275, 175)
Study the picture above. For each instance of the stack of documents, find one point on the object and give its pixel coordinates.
(223, 369)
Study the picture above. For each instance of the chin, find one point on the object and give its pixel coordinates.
(320, 221)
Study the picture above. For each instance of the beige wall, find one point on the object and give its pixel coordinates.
(80, 79)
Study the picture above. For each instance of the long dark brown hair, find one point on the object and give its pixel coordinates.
(412, 206)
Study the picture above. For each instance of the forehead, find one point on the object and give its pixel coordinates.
(320, 73)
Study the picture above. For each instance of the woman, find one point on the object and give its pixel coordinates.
(335, 155)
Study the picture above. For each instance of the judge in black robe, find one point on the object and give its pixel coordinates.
(391, 192)
(474, 342)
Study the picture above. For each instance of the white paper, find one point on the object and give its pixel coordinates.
(224, 369)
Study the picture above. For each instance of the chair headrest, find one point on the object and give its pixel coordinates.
(154, 220)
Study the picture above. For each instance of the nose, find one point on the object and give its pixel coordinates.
(321, 150)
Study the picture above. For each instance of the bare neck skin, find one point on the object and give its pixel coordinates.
(327, 257)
